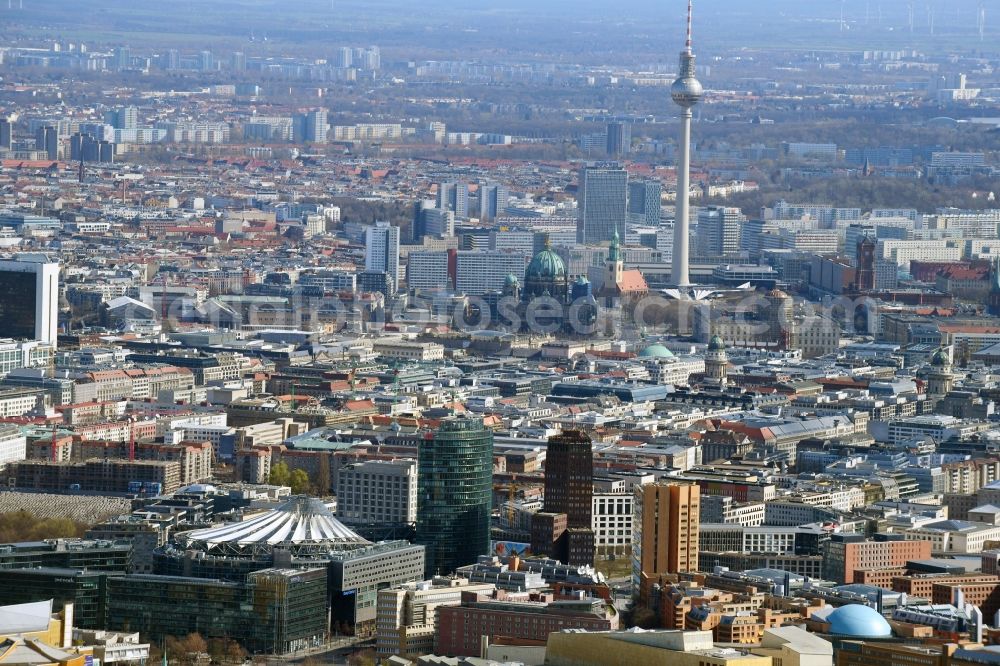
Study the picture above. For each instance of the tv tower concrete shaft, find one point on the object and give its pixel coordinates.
(686, 91)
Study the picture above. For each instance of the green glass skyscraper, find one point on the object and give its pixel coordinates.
(455, 493)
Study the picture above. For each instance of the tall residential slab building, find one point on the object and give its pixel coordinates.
(454, 197)
(665, 527)
(601, 202)
(382, 250)
(719, 231)
(455, 472)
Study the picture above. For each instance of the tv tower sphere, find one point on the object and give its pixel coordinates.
(686, 91)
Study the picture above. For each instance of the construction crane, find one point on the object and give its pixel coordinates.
(511, 489)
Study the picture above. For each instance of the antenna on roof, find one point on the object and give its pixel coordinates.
(687, 42)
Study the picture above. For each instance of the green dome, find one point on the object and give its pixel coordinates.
(656, 351)
(582, 280)
(940, 358)
(511, 280)
(547, 265)
(716, 344)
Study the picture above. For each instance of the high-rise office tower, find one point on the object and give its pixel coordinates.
(864, 252)
(686, 91)
(455, 472)
(382, 249)
(569, 490)
(619, 139)
(29, 299)
(601, 202)
(47, 139)
(665, 525)
(418, 228)
(492, 200)
(719, 231)
(454, 197)
(238, 61)
(6, 134)
(644, 201)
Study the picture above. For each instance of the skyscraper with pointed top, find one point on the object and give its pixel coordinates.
(686, 91)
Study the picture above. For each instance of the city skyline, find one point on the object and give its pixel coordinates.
(500, 332)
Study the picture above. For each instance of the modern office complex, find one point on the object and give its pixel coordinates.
(273, 611)
(378, 492)
(299, 534)
(407, 614)
(29, 298)
(94, 555)
(456, 476)
(666, 517)
(644, 202)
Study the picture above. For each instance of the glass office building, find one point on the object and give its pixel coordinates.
(455, 494)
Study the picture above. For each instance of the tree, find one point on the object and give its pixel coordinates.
(299, 481)
(185, 651)
(235, 652)
(645, 618)
(280, 476)
(321, 482)
(23, 526)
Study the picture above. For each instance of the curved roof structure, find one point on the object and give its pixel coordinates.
(716, 343)
(301, 523)
(655, 351)
(546, 265)
(858, 621)
(940, 358)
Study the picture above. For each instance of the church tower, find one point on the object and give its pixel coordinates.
(716, 363)
(940, 380)
(614, 268)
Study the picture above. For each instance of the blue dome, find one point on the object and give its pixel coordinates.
(656, 351)
(858, 621)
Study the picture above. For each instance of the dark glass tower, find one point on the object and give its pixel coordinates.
(569, 490)
(455, 496)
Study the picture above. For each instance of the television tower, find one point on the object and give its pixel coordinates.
(686, 91)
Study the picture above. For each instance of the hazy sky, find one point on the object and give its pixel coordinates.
(564, 26)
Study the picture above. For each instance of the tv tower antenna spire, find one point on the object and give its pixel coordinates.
(687, 42)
